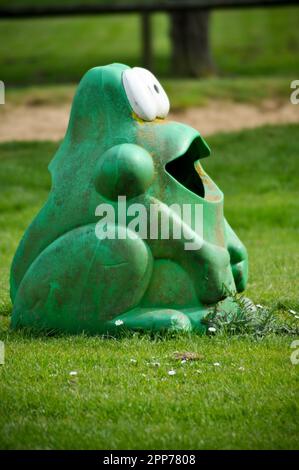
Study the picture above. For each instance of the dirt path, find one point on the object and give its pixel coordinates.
(47, 122)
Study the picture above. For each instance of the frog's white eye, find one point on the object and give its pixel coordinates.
(157, 91)
(145, 94)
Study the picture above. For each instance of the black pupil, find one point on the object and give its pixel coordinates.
(156, 88)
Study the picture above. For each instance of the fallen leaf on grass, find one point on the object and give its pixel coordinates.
(187, 356)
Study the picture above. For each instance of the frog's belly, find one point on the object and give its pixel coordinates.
(170, 287)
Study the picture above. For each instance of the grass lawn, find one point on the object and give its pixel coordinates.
(249, 401)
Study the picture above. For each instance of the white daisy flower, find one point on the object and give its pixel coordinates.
(119, 322)
(171, 372)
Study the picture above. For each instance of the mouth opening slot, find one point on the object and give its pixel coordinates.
(183, 170)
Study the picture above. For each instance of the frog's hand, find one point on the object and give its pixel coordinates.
(125, 169)
(79, 283)
(238, 258)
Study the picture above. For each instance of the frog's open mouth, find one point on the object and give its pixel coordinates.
(183, 170)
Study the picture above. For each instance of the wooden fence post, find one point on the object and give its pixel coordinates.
(146, 34)
(191, 54)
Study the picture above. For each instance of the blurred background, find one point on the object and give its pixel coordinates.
(227, 66)
(54, 42)
(189, 42)
(203, 51)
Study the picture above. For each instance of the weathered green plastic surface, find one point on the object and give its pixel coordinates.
(64, 278)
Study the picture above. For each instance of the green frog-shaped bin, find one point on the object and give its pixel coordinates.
(78, 270)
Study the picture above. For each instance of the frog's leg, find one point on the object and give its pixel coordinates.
(159, 319)
(79, 282)
(150, 319)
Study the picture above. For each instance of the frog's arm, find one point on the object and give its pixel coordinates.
(238, 257)
(207, 264)
(125, 169)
